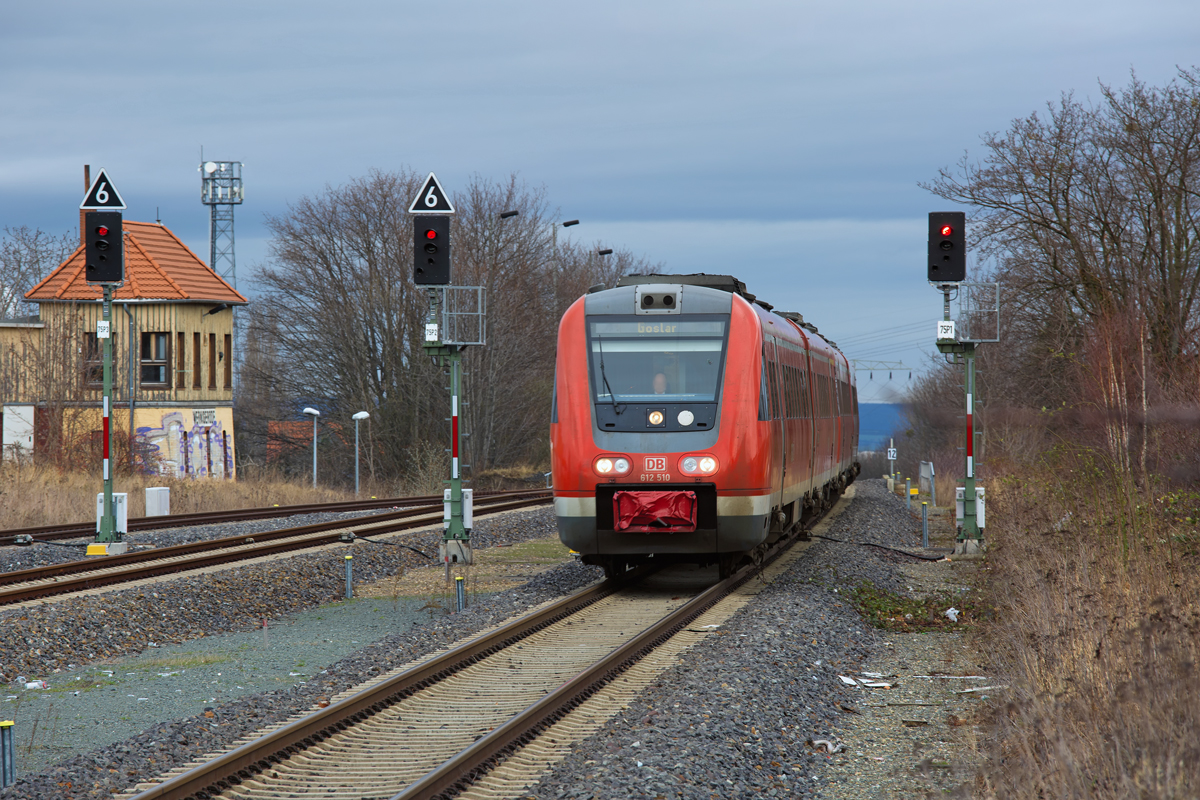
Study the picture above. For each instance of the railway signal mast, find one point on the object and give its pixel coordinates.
(979, 306)
(104, 259)
(455, 321)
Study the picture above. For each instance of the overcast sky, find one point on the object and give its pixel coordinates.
(779, 142)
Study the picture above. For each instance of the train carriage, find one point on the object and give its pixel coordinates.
(692, 423)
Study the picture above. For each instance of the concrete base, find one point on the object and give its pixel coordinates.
(108, 549)
(968, 548)
(455, 551)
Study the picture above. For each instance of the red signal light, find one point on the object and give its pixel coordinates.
(947, 230)
(430, 234)
(102, 230)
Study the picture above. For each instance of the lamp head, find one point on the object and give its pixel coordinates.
(361, 415)
(312, 412)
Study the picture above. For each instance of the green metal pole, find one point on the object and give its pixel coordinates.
(456, 544)
(456, 529)
(970, 528)
(969, 539)
(108, 526)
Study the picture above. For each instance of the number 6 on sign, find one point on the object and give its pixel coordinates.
(431, 199)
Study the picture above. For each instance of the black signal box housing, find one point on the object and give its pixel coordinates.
(947, 247)
(104, 247)
(431, 249)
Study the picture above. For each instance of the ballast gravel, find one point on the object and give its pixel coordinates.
(731, 720)
(734, 717)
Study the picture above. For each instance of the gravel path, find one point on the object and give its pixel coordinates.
(731, 720)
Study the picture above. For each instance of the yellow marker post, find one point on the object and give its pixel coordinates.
(460, 594)
(349, 577)
(924, 524)
(8, 758)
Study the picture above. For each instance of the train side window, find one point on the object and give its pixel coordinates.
(803, 378)
(793, 393)
(786, 371)
(763, 409)
(773, 383)
(787, 391)
(798, 373)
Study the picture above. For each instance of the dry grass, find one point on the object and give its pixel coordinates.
(1098, 595)
(41, 495)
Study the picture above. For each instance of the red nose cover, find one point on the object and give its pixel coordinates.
(647, 512)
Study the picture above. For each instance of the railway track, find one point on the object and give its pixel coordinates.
(484, 711)
(76, 530)
(42, 582)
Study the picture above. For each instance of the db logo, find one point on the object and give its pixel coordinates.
(657, 464)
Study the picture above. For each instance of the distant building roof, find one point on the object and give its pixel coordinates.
(158, 266)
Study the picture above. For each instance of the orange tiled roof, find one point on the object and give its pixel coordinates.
(157, 267)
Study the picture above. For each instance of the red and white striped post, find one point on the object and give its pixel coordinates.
(970, 540)
(107, 532)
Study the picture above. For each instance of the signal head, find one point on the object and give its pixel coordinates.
(431, 250)
(947, 261)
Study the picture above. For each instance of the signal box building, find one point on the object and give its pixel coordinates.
(172, 329)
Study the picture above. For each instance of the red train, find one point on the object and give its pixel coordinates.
(692, 423)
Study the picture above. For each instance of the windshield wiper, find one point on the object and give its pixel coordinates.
(612, 395)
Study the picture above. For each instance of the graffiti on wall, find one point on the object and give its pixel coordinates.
(174, 448)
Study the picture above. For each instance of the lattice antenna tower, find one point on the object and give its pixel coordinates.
(221, 190)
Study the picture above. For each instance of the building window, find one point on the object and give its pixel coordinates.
(228, 353)
(195, 361)
(180, 359)
(212, 361)
(93, 359)
(155, 361)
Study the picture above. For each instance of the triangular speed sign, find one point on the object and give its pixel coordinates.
(431, 199)
(102, 195)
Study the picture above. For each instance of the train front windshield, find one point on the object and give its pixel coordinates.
(653, 359)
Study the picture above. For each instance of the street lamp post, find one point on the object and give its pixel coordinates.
(554, 255)
(356, 418)
(312, 412)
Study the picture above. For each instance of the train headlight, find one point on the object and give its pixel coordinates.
(698, 465)
(655, 418)
(611, 465)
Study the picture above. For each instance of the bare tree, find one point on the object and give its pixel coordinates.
(26, 256)
(1091, 211)
(340, 322)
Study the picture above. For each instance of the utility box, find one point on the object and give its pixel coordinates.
(158, 501)
(980, 517)
(120, 512)
(926, 476)
(16, 431)
(468, 508)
